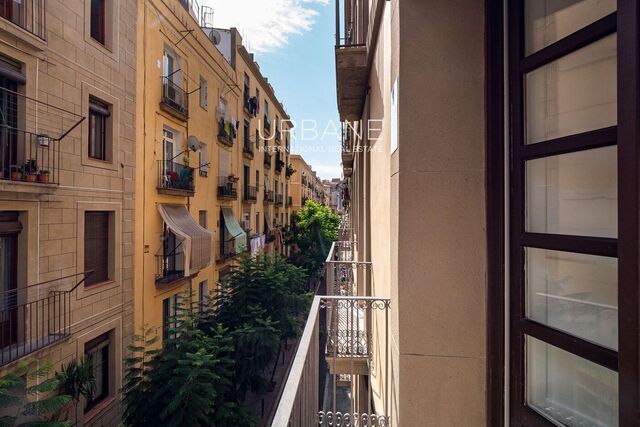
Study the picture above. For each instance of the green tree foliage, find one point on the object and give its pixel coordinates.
(178, 385)
(76, 380)
(29, 405)
(314, 227)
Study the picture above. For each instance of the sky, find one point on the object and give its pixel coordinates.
(293, 43)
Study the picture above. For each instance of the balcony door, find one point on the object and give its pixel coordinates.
(563, 92)
(9, 229)
(8, 124)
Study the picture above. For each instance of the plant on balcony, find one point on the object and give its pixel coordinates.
(40, 402)
(43, 176)
(30, 169)
(16, 173)
(290, 171)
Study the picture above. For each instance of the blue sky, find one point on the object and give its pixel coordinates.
(293, 43)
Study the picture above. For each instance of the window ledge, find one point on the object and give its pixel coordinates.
(98, 409)
(27, 187)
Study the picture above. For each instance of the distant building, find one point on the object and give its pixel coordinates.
(305, 184)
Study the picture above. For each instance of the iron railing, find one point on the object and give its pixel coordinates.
(247, 147)
(175, 176)
(250, 103)
(269, 196)
(279, 164)
(35, 316)
(250, 193)
(193, 8)
(267, 159)
(344, 350)
(174, 97)
(317, 368)
(226, 132)
(225, 249)
(31, 132)
(26, 14)
(279, 199)
(170, 265)
(227, 188)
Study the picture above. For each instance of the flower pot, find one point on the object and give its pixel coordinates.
(43, 178)
(31, 178)
(16, 176)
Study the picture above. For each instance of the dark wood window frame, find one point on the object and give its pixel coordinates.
(99, 113)
(97, 26)
(626, 134)
(102, 345)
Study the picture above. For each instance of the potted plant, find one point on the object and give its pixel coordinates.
(31, 170)
(43, 176)
(16, 173)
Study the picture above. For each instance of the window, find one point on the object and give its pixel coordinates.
(222, 105)
(170, 309)
(98, 350)
(203, 219)
(10, 226)
(98, 20)
(97, 246)
(203, 295)
(203, 92)
(203, 160)
(564, 215)
(257, 222)
(247, 142)
(99, 113)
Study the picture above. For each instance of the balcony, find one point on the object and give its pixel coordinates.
(269, 196)
(279, 165)
(225, 249)
(226, 132)
(267, 159)
(279, 199)
(26, 14)
(278, 135)
(175, 179)
(227, 188)
(344, 349)
(250, 194)
(175, 100)
(36, 316)
(247, 148)
(31, 134)
(267, 124)
(170, 266)
(250, 104)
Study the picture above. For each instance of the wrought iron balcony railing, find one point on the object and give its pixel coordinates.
(170, 265)
(31, 132)
(279, 199)
(247, 148)
(225, 249)
(36, 316)
(267, 159)
(26, 14)
(226, 132)
(279, 164)
(355, 330)
(227, 188)
(250, 193)
(269, 196)
(175, 178)
(175, 98)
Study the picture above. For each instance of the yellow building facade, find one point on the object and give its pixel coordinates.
(204, 191)
(305, 184)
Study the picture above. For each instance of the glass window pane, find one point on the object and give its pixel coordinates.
(574, 94)
(568, 389)
(575, 293)
(575, 193)
(547, 21)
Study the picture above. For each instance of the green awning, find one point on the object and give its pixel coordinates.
(235, 230)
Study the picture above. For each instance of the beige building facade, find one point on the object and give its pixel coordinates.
(67, 138)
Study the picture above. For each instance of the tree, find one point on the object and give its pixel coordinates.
(180, 383)
(37, 404)
(314, 227)
(76, 380)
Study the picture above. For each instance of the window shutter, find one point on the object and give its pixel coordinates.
(96, 246)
